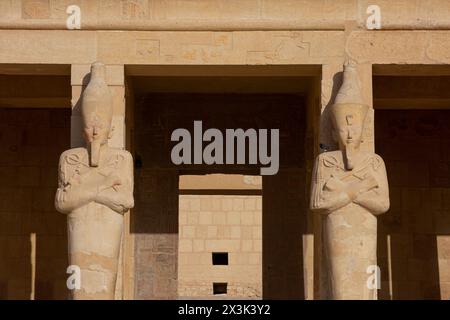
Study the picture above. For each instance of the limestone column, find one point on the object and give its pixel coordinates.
(349, 185)
(96, 179)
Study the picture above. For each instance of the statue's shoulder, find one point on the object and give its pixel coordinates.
(330, 159)
(70, 162)
(78, 153)
(123, 153)
(378, 157)
(333, 154)
(120, 157)
(377, 161)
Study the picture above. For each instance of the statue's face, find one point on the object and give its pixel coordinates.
(96, 129)
(349, 131)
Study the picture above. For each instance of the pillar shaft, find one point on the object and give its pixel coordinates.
(114, 77)
(329, 197)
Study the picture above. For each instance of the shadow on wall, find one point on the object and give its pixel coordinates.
(31, 141)
(284, 224)
(155, 218)
(415, 145)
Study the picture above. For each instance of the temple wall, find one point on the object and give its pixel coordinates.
(33, 239)
(153, 38)
(223, 14)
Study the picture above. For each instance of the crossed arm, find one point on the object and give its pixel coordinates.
(330, 193)
(114, 190)
(376, 200)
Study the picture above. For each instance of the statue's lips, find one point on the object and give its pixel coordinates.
(352, 142)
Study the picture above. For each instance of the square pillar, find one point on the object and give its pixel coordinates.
(115, 78)
(330, 84)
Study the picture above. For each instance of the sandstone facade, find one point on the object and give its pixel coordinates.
(161, 56)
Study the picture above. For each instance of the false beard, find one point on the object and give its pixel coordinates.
(350, 151)
(95, 152)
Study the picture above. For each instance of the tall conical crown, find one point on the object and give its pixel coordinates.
(350, 91)
(349, 99)
(97, 101)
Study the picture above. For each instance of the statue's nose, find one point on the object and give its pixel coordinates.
(349, 134)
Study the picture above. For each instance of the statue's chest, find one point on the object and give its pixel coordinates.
(355, 174)
(79, 169)
(335, 168)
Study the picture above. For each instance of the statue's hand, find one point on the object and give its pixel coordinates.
(353, 190)
(117, 201)
(357, 188)
(368, 183)
(334, 184)
(112, 181)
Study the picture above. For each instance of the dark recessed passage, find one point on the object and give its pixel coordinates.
(220, 287)
(220, 258)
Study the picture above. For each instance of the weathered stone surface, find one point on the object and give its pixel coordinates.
(28, 181)
(257, 39)
(350, 188)
(236, 232)
(225, 14)
(95, 190)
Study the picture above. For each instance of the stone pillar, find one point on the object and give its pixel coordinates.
(96, 180)
(349, 185)
(311, 151)
(330, 82)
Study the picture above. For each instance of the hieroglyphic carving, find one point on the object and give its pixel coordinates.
(147, 48)
(133, 9)
(35, 9)
(95, 189)
(350, 188)
(208, 48)
(284, 46)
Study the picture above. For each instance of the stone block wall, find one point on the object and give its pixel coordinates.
(229, 224)
(31, 141)
(154, 222)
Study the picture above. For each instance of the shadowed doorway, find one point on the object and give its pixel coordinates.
(163, 104)
(412, 116)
